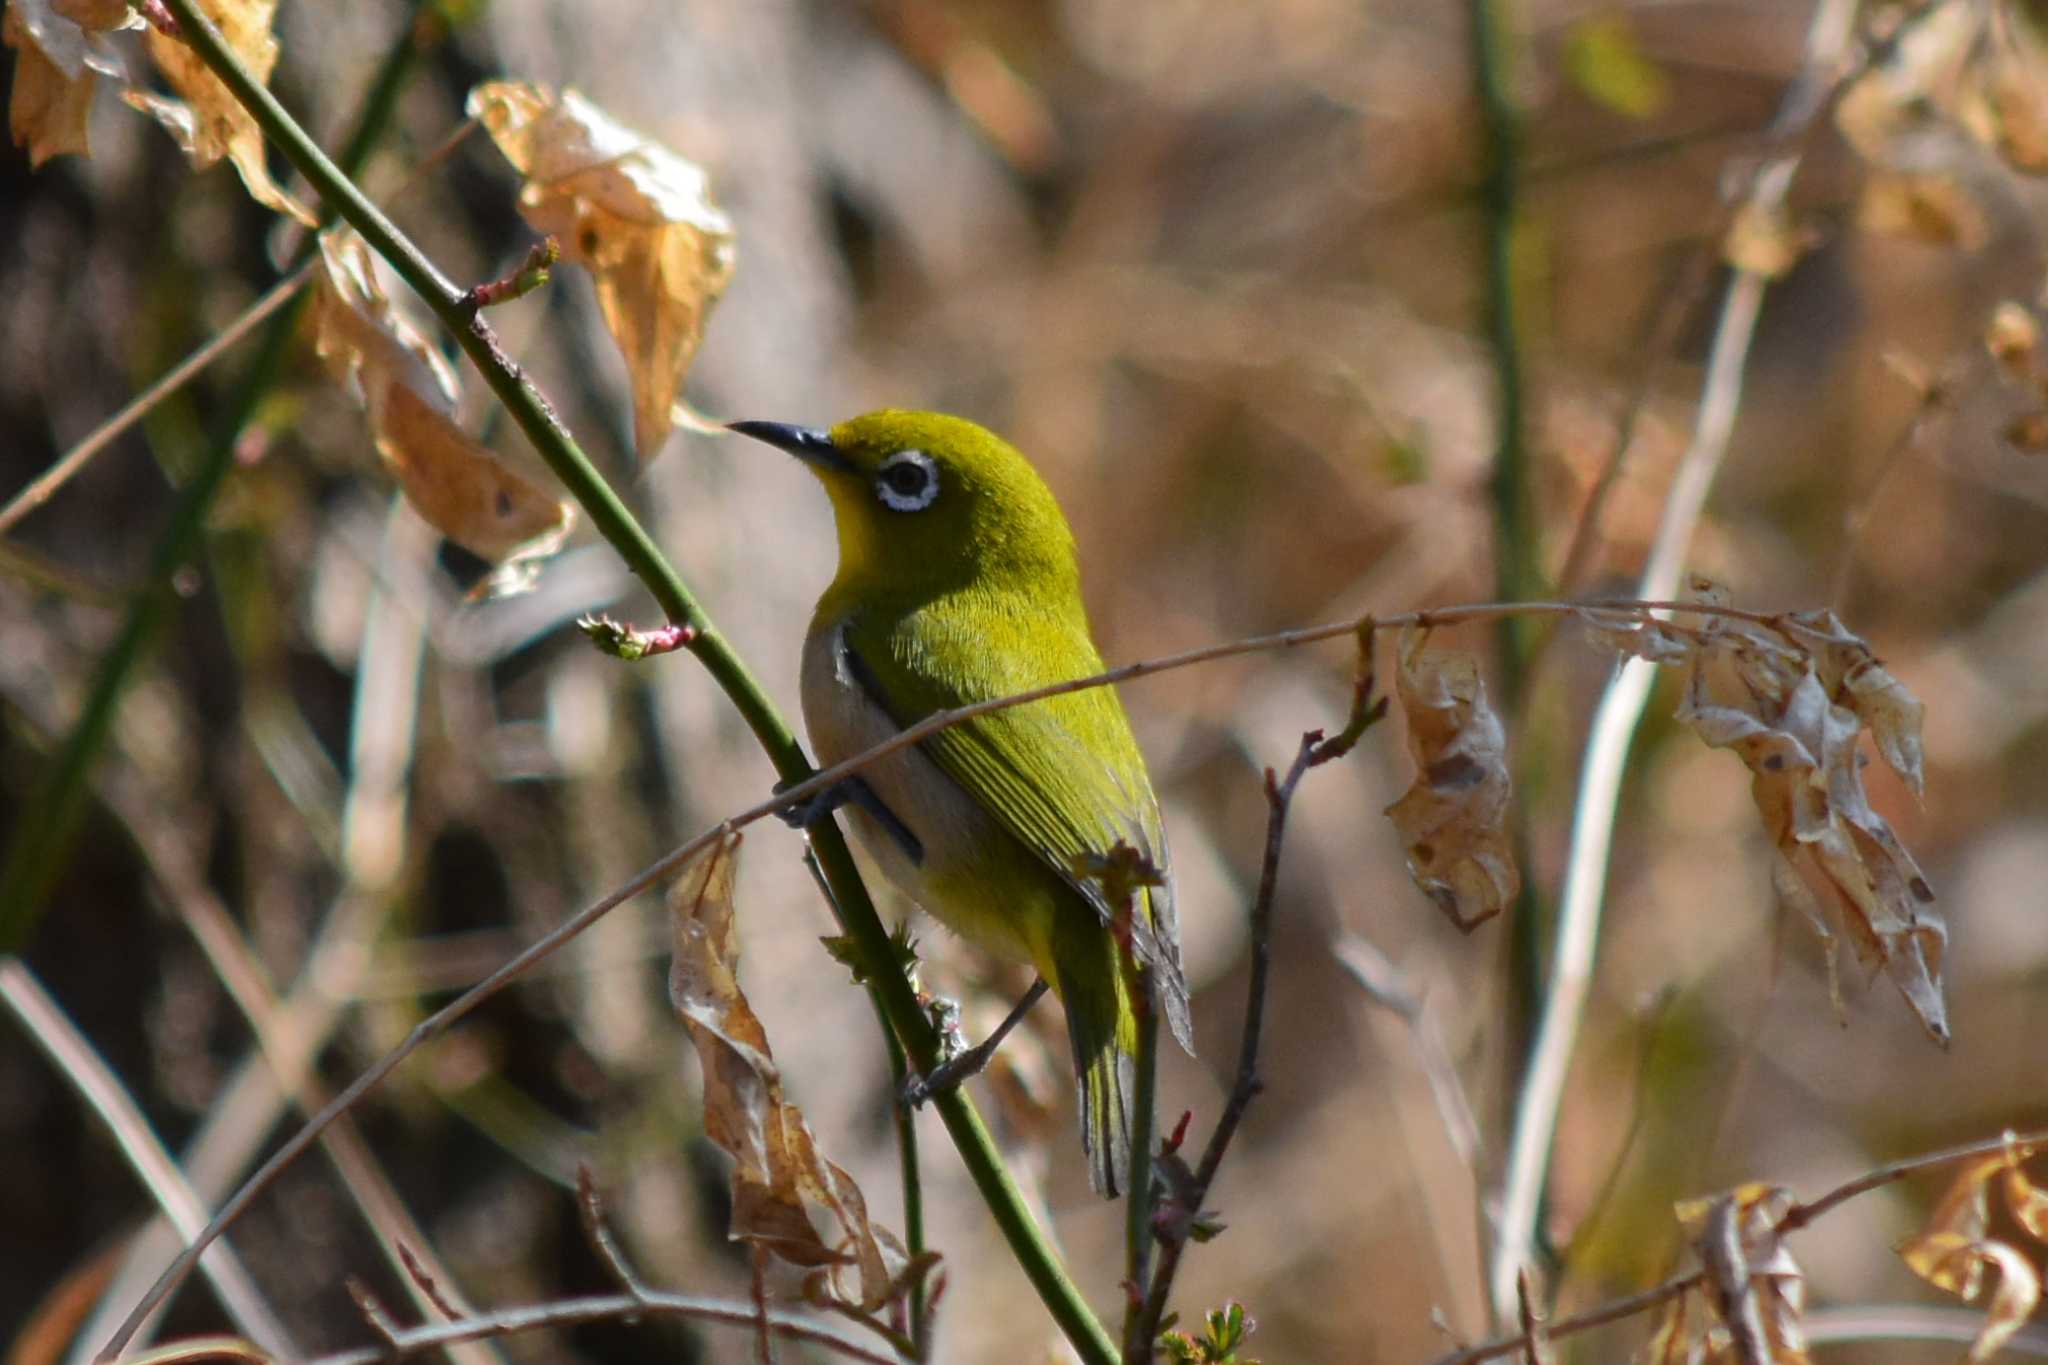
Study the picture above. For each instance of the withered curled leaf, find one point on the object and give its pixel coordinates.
(1955, 1251)
(779, 1176)
(60, 54)
(638, 217)
(409, 391)
(1453, 817)
(1792, 702)
(207, 121)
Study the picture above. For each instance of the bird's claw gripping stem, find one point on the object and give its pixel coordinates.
(854, 791)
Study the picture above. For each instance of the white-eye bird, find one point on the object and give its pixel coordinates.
(957, 584)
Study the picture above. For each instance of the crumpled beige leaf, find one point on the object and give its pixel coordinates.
(409, 390)
(634, 214)
(207, 121)
(1752, 1284)
(60, 53)
(1791, 702)
(778, 1176)
(1453, 816)
(1953, 1252)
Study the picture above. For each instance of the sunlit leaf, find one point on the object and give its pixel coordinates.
(60, 52)
(409, 391)
(1453, 816)
(207, 121)
(1958, 1264)
(633, 213)
(779, 1177)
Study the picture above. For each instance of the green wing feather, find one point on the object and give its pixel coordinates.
(1063, 775)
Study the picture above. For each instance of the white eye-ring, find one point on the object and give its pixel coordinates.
(907, 481)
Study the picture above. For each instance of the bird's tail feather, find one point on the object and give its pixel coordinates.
(1104, 1031)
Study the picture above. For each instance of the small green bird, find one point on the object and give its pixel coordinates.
(957, 584)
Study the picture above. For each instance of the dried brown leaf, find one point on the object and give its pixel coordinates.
(1673, 1343)
(1956, 1263)
(633, 213)
(207, 121)
(2028, 1201)
(409, 391)
(779, 1177)
(1657, 641)
(1759, 691)
(1752, 1283)
(1453, 816)
(59, 55)
(1854, 677)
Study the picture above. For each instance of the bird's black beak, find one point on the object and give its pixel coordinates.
(806, 443)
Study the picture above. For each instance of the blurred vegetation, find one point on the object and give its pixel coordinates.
(1221, 269)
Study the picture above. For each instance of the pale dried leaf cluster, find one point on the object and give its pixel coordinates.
(1753, 1293)
(409, 391)
(1793, 699)
(1956, 1249)
(63, 48)
(1453, 817)
(779, 1176)
(637, 216)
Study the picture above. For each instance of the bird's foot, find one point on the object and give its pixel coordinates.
(961, 1063)
(854, 791)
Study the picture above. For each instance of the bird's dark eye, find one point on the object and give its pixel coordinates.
(907, 481)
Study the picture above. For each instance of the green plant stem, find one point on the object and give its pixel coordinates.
(913, 1184)
(1518, 574)
(1138, 1194)
(50, 820)
(609, 515)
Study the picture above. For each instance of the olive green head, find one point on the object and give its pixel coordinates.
(928, 502)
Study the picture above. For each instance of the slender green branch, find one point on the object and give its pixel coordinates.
(1517, 573)
(618, 526)
(50, 817)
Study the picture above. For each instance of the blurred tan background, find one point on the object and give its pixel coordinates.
(1219, 269)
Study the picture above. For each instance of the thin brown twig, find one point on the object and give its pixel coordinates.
(591, 1207)
(1180, 1211)
(423, 1280)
